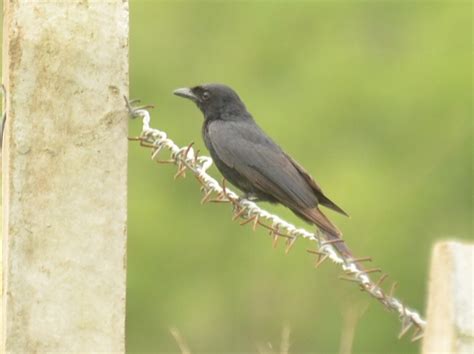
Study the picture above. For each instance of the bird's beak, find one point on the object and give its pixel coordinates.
(186, 93)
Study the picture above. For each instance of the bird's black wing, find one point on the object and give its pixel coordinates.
(244, 147)
(323, 200)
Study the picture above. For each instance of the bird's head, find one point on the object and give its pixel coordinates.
(216, 101)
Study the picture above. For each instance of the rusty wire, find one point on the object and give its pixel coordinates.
(187, 159)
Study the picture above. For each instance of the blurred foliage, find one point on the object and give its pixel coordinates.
(373, 98)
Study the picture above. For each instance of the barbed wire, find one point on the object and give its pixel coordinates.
(187, 159)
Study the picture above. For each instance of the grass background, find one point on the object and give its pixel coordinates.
(374, 98)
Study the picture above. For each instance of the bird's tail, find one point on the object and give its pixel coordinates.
(339, 245)
(330, 230)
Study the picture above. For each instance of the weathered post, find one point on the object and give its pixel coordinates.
(65, 69)
(450, 315)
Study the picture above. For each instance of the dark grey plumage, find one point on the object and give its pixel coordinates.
(253, 162)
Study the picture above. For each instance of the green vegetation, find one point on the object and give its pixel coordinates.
(373, 98)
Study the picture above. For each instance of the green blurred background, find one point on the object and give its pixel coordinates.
(373, 98)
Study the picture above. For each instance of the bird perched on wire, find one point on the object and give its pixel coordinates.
(250, 160)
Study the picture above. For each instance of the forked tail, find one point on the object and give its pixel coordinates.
(331, 232)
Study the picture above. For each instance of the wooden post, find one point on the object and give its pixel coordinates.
(65, 69)
(450, 314)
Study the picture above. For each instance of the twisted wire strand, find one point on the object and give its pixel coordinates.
(187, 159)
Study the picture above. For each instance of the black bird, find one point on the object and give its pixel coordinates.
(254, 163)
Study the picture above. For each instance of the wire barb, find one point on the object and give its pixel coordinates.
(372, 270)
(275, 240)
(238, 214)
(406, 325)
(207, 196)
(417, 334)
(361, 259)
(187, 160)
(289, 244)
(320, 260)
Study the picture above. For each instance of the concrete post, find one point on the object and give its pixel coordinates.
(450, 314)
(65, 69)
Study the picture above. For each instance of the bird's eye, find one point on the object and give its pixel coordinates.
(206, 95)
